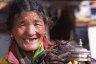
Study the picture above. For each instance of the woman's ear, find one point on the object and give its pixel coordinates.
(11, 36)
(47, 35)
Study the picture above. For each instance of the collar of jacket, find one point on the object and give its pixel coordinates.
(12, 56)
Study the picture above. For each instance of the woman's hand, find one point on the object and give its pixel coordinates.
(56, 56)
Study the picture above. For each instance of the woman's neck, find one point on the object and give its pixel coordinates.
(28, 54)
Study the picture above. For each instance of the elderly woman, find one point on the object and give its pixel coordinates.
(27, 26)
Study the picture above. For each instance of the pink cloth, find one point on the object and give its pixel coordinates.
(47, 43)
(12, 58)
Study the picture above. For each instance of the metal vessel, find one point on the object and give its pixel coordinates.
(79, 53)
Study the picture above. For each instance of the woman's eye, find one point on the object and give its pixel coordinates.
(21, 23)
(38, 23)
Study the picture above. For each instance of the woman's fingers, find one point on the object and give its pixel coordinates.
(64, 55)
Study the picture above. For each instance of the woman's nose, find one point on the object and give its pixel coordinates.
(31, 30)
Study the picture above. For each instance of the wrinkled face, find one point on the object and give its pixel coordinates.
(28, 30)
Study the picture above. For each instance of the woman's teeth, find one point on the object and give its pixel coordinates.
(29, 40)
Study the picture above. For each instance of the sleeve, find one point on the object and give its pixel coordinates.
(3, 60)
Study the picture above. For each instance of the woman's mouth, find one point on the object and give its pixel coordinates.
(30, 40)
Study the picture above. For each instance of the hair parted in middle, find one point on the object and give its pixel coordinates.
(19, 6)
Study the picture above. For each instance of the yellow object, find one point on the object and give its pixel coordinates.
(3, 60)
(73, 62)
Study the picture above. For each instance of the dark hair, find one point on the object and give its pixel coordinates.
(61, 30)
(19, 6)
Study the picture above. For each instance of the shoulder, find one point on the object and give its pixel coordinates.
(3, 60)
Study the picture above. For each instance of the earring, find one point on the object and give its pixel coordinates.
(12, 37)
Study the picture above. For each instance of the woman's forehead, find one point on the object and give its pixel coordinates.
(29, 15)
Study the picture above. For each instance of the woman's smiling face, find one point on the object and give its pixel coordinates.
(28, 30)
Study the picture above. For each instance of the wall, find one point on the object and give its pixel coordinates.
(4, 43)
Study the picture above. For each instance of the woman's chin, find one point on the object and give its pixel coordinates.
(30, 47)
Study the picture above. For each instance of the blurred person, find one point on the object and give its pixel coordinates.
(63, 37)
(4, 37)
